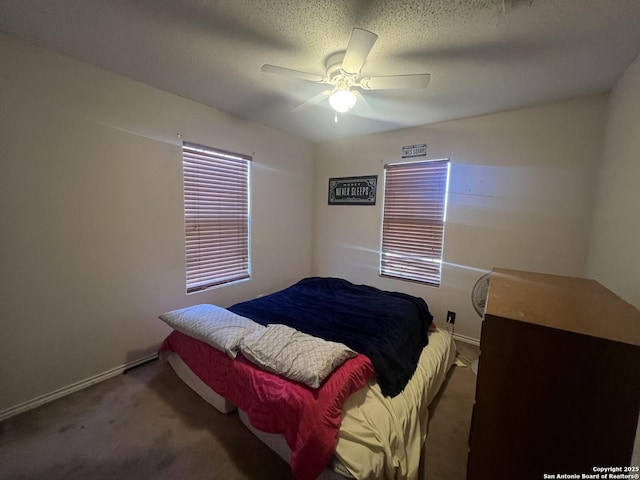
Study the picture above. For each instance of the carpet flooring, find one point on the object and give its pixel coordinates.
(147, 424)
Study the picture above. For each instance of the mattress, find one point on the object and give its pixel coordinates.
(380, 437)
(192, 380)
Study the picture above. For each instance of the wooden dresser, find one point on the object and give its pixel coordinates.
(558, 388)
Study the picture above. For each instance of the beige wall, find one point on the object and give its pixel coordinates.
(614, 255)
(91, 207)
(614, 250)
(521, 191)
(92, 246)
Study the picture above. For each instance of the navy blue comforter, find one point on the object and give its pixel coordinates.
(389, 327)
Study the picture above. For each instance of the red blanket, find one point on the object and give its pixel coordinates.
(308, 418)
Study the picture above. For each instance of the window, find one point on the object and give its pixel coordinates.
(216, 216)
(413, 220)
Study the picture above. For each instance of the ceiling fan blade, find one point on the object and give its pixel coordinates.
(360, 44)
(312, 101)
(420, 80)
(362, 106)
(287, 72)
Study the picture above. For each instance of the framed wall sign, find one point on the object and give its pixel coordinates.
(419, 150)
(353, 190)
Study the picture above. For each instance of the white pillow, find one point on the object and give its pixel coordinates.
(293, 354)
(214, 325)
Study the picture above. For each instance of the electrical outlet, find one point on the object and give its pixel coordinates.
(451, 317)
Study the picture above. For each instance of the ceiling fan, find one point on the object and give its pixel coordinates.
(344, 78)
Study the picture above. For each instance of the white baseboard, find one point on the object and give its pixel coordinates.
(49, 397)
(462, 338)
(101, 377)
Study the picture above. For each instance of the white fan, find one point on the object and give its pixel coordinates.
(479, 300)
(343, 75)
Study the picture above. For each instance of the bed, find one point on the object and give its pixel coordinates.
(368, 417)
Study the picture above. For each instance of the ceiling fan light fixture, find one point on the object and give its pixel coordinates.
(343, 75)
(342, 100)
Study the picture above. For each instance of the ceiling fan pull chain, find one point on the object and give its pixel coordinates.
(335, 119)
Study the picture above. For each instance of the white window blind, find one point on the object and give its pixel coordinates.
(413, 220)
(216, 212)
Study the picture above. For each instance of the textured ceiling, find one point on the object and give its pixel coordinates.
(483, 55)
